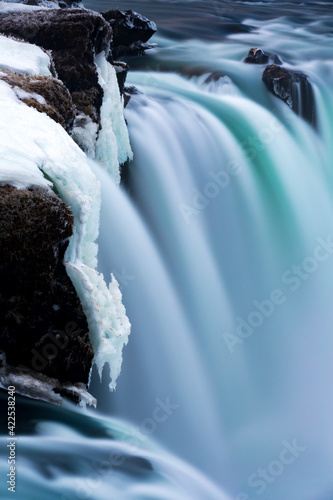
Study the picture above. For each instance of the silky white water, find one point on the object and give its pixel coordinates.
(235, 190)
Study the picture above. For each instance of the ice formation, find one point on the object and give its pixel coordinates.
(37, 151)
(113, 147)
(106, 315)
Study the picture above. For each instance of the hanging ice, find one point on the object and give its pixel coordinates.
(112, 147)
(106, 316)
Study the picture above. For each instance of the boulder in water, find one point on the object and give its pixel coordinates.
(258, 56)
(294, 88)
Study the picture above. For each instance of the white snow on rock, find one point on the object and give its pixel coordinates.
(113, 146)
(23, 58)
(10, 6)
(23, 94)
(37, 151)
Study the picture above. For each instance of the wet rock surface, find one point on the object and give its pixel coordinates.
(294, 88)
(42, 324)
(258, 56)
(131, 32)
(121, 72)
(129, 27)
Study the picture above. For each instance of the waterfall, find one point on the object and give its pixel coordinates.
(232, 190)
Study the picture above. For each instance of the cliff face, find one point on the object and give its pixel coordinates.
(42, 322)
(44, 332)
(74, 36)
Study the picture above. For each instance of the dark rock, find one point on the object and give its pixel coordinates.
(73, 36)
(42, 324)
(129, 27)
(293, 88)
(136, 49)
(214, 77)
(131, 32)
(258, 56)
(121, 72)
(58, 102)
(128, 92)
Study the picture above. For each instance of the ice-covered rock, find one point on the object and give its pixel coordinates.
(44, 93)
(79, 45)
(73, 36)
(46, 181)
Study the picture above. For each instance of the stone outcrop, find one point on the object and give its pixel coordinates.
(258, 56)
(131, 32)
(43, 326)
(47, 94)
(73, 36)
(294, 88)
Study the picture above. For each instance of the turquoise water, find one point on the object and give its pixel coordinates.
(231, 253)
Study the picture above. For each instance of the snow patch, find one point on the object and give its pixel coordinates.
(12, 6)
(22, 94)
(23, 58)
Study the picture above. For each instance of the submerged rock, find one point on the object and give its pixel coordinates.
(42, 324)
(47, 94)
(293, 88)
(258, 56)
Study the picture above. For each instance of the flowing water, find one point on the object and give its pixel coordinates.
(221, 240)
